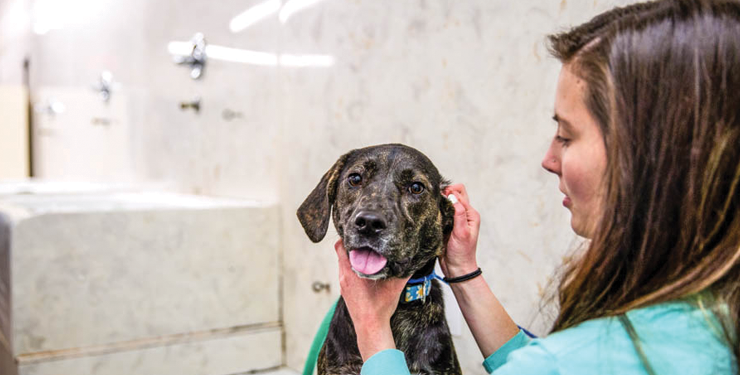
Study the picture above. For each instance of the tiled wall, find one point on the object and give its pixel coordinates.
(469, 83)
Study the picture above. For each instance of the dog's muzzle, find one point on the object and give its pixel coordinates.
(368, 226)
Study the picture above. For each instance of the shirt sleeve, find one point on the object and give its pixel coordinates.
(499, 357)
(521, 356)
(386, 362)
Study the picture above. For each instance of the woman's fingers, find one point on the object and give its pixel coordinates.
(462, 193)
(467, 219)
(341, 252)
(461, 228)
(459, 258)
(345, 269)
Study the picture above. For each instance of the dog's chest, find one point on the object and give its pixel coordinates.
(420, 331)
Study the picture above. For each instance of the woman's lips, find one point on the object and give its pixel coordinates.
(566, 201)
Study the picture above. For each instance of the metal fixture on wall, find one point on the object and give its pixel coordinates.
(100, 121)
(50, 107)
(194, 104)
(105, 85)
(229, 114)
(197, 58)
(318, 286)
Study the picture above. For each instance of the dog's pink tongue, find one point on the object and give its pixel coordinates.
(367, 261)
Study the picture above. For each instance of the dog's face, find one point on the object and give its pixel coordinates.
(387, 207)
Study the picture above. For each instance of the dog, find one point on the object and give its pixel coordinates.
(394, 221)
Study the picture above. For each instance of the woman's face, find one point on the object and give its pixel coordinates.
(577, 154)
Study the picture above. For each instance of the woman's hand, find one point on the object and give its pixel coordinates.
(371, 303)
(460, 256)
(490, 324)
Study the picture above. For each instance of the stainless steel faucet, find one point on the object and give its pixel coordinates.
(197, 58)
(104, 86)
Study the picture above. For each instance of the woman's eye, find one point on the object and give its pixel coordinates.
(563, 141)
(354, 179)
(416, 188)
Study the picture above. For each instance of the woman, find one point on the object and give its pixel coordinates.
(647, 152)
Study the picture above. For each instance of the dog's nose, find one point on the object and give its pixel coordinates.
(369, 223)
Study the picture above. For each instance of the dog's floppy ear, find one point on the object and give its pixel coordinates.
(315, 211)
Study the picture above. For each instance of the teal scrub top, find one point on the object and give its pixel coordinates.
(676, 337)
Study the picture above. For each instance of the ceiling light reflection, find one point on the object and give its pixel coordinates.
(241, 55)
(306, 60)
(180, 48)
(253, 57)
(254, 15)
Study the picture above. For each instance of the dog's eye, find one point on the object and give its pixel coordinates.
(354, 179)
(416, 188)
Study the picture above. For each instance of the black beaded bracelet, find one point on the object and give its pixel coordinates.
(459, 279)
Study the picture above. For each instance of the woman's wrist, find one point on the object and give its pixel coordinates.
(462, 270)
(372, 339)
(472, 286)
(463, 278)
(486, 317)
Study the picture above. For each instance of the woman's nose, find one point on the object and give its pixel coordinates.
(550, 162)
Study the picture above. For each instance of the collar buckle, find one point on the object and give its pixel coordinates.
(419, 289)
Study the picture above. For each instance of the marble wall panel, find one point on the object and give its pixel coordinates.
(229, 148)
(73, 41)
(86, 140)
(71, 44)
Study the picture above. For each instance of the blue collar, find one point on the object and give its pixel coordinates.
(419, 288)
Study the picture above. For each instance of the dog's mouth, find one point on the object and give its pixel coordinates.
(367, 261)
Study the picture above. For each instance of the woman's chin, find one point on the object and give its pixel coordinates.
(583, 228)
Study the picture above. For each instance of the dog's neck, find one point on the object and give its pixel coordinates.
(420, 284)
(426, 270)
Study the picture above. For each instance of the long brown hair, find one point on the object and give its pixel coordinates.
(663, 82)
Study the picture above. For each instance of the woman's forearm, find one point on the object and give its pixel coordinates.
(371, 340)
(489, 322)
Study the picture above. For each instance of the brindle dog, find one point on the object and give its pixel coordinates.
(394, 221)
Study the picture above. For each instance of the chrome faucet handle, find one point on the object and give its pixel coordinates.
(50, 107)
(197, 58)
(105, 85)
